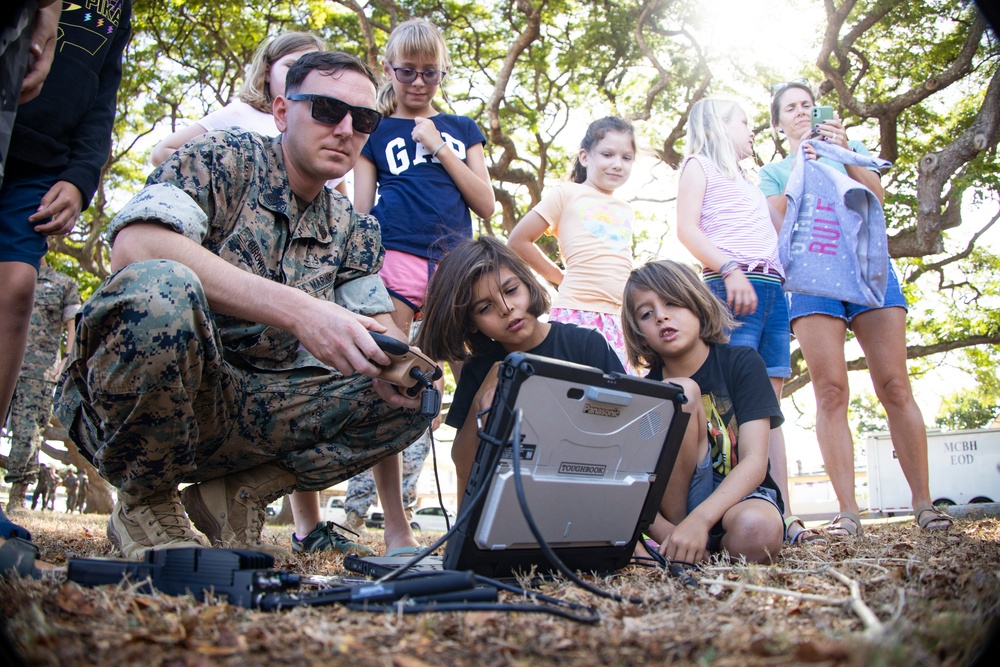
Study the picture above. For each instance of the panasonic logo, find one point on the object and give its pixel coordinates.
(601, 410)
(567, 468)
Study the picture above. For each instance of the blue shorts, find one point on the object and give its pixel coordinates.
(800, 305)
(705, 481)
(766, 329)
(19, 199)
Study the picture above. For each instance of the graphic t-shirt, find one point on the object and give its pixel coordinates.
(735, 390)
(595, 239)
(419, 207)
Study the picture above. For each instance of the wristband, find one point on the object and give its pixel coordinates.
(434, 154)
(729, 268)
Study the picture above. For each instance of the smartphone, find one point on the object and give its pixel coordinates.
(820, 115)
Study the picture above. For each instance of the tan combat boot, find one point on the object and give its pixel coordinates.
(15, 498)
(230, 509)
(157, 523)
(355, 522)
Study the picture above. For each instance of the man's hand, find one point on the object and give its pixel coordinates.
(43, 50)
(391, 395)
(61, 206)
(340, 338)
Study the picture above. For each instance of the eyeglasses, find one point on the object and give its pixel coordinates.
(431, 77)
(330, 111)
(778, 87)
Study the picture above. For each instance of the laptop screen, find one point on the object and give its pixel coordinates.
(596, 452)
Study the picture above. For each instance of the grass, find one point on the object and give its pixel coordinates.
(894, 597)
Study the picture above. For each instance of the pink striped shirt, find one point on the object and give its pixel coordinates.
(735, 218)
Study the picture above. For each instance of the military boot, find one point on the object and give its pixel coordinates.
(230, 509)
(15, 498)
(354, 522)
(157, 522)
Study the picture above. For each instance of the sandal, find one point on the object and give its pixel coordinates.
(838, 528)
(797, 533)
(929, 517)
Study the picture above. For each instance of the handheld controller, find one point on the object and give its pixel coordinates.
(410, 370)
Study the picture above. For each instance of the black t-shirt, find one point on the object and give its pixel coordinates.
(565, 342)
(735, 390)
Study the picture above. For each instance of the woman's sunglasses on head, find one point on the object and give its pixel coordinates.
(330, 111)
(778, 87)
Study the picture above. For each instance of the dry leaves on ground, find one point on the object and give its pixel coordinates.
(894, 596)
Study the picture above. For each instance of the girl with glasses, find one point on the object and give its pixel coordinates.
(422, 174)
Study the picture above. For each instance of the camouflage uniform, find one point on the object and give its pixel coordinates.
(70, 481)
(161, 390)
(83, 488)
(56, 302)
(361, 488)
(45, 488)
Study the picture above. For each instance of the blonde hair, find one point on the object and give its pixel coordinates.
(677, 284)
(256, 90)
(416, 39)
(708, 135)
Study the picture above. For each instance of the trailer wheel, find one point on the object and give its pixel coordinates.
(980, 499)
(944, 502)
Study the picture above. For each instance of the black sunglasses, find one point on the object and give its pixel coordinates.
(330, 111)
(431, 77)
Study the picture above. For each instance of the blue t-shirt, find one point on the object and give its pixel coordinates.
(419, 207)
(774, 176)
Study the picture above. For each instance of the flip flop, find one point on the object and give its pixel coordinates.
(405, 551)
(838, 528)
(927, 516)
(794, 535)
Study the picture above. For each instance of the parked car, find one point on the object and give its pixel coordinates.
(432, 518)
(334, 510)
(375, 518)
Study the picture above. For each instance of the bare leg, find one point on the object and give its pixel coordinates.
(821, 338)
(882, 334)
(753, 529)
(388, 475)
(305, 511)
(16, 299)
(694, 446)
(777, 455)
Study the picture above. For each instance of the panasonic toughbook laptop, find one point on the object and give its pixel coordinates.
(596, 452)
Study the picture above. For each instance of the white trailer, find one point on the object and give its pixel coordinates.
(964, 468)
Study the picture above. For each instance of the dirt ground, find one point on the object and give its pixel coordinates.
(893, 597)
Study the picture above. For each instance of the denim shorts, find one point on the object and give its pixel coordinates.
(800, 305)
(19, 199)
(704, 482)
(766, 329)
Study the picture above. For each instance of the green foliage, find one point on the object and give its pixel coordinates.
(961, 411)
(866, 415)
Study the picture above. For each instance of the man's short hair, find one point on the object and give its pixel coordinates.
(327, 62)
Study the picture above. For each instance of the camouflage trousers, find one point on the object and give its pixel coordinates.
(361, 488)
(155, 402)
(30, 410)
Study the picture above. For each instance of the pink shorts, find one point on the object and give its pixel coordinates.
(406, 277)
(608, 324)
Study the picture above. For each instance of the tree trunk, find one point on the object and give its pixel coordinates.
(284, 517)
(100, 498)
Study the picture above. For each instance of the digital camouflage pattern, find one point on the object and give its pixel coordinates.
(361, 488)
(161, 390)
(56, 302)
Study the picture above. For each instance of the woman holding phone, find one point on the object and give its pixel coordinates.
(820, 325)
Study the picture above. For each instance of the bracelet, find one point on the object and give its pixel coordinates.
(434, 154)
(729, 268)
